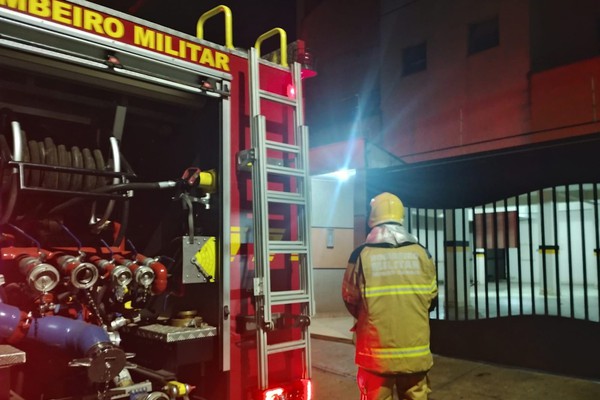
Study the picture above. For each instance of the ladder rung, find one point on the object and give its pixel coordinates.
(290, 148)
(276, 196)
(285, 247)
(277, 98)
(289, 297)
(276, 169)
(286, 346)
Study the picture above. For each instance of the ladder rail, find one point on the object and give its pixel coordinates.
(299, 242)
(302, 140)
(261, 219)
(260, 249)
(307, 211)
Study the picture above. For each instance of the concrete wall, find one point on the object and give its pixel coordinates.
(461, 103)
(538, 84)
(563, 32)
(328, 292)
(332, 238)
(566, 96)
(342, 100)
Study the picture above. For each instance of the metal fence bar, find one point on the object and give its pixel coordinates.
(542, 249)
(485, 264)
(496, 266)
(507, 254)
(519, 266)
(426, 228)
(464, 263)
(584, 265)
(556, 260)
(446, 284)
(418, 222)
(569, 250)
(531, 262)
(597, 248)
(435, 239)
(454, 266)
(475, 276)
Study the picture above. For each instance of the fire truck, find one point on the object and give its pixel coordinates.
(154, 209)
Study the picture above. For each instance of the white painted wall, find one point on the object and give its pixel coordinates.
(332, 210)
(332, 202)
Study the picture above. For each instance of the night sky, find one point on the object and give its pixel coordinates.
(251, 18)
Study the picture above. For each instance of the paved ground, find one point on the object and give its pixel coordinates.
(451, 379)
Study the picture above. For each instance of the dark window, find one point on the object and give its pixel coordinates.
(414, 59)
(483, 35)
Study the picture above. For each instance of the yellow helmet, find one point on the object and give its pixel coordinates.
(386, 207)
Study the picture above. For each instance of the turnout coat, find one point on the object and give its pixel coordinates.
(390, 287)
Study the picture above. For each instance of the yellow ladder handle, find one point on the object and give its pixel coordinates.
(228, 24)
(282, 43)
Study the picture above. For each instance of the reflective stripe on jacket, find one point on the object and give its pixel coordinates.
(389, 289)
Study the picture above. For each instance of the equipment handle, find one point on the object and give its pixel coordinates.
(282, 43)
(228, 24)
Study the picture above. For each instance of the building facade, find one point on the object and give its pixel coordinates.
(486, 113)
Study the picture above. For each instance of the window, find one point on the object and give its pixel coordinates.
(414, 59)
(484, 35)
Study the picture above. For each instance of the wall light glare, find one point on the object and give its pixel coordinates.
(341, 175)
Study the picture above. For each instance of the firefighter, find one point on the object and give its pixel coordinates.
(390, 287)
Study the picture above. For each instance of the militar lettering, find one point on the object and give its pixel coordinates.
(85, 19)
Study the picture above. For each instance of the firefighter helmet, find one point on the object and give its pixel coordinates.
(386, 207)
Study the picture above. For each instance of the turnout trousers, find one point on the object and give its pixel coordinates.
(375, 386)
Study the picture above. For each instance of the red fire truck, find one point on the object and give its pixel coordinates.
(154, 216)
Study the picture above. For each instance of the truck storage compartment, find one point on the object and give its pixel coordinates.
(89, 237)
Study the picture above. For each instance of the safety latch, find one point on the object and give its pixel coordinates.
(246, 159)
(258, 286)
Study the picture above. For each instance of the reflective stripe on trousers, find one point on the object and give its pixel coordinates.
(404, 352)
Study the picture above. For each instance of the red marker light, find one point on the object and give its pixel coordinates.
(273, 394)
(298, 390)
(291, 91)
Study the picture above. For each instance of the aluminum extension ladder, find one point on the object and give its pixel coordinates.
(298, 197)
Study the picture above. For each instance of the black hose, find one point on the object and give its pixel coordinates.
(134, 186)
(12, 199)
(116, 188)
(190, 206)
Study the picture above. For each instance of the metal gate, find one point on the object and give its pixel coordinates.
(532, 254)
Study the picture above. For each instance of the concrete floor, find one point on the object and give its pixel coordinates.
(451, 379)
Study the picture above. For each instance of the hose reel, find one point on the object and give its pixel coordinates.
(46, 166)
(41, 159)
(47, 153)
